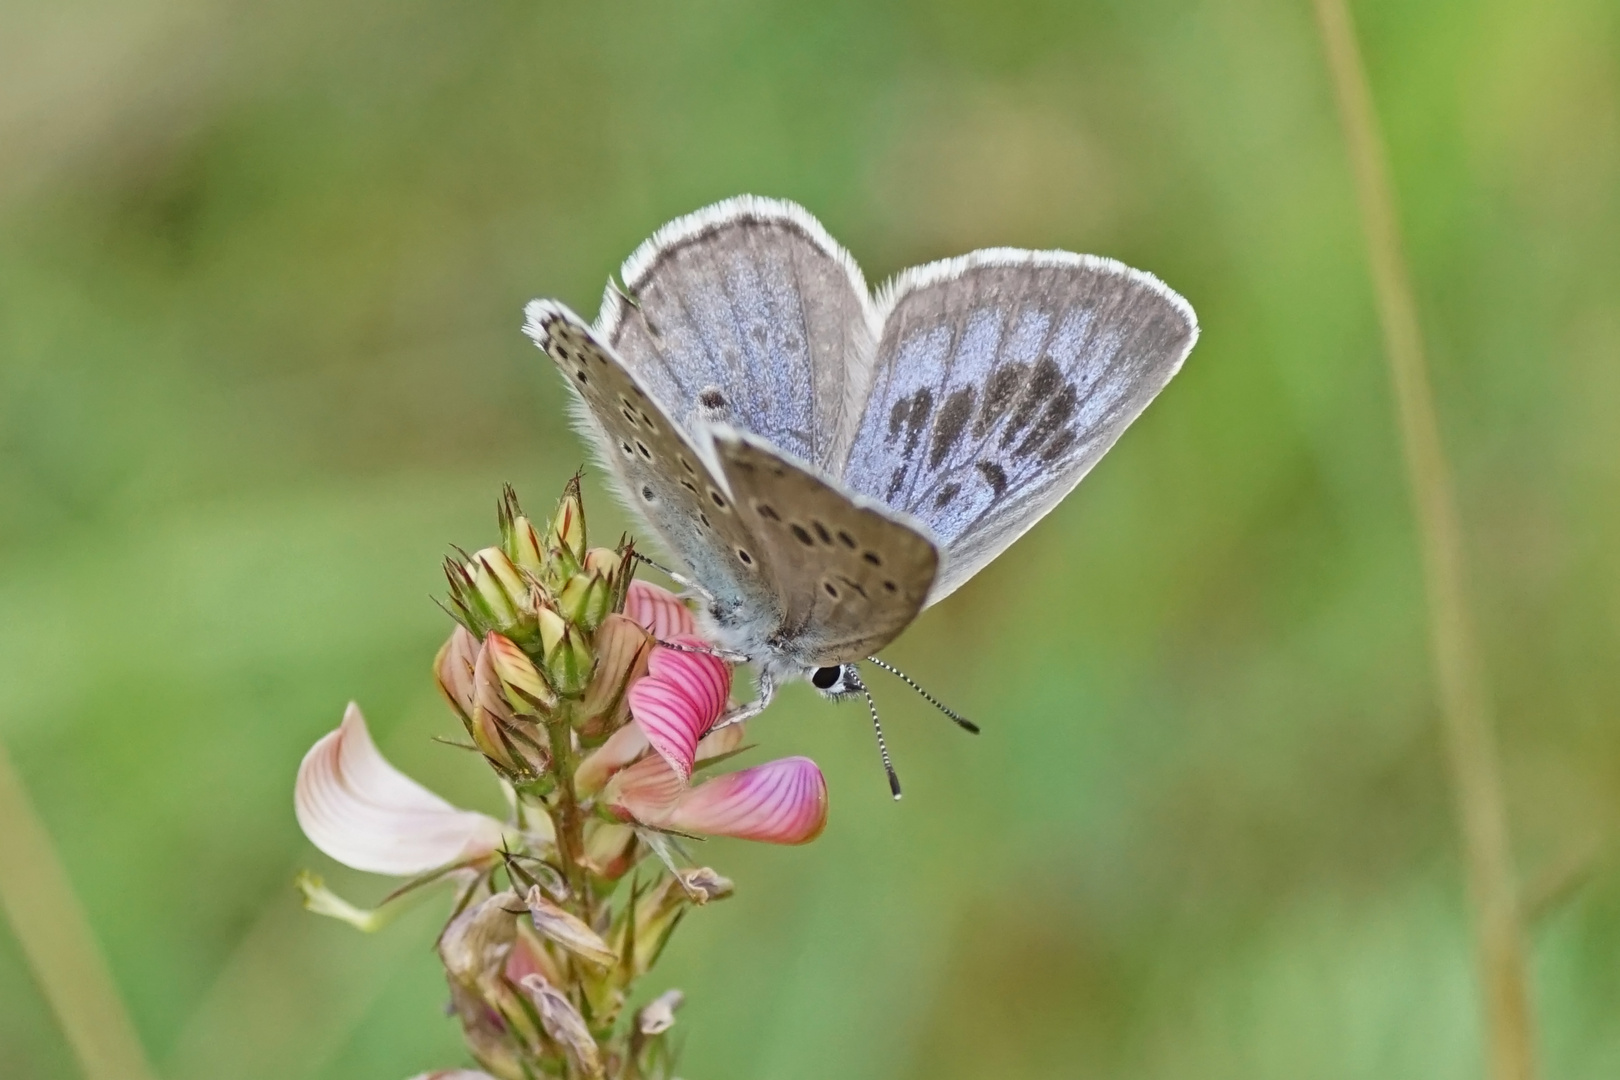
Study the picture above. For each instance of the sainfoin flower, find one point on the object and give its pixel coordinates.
(363, 812)
(595, 701)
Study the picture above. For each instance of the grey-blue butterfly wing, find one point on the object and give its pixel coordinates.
(661, 473)
(850, 573)
(748, 314)
(1000, 379)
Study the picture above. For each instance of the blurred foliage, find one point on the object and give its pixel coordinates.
(261, 270)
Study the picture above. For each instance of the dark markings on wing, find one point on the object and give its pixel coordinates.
(851, 577)
(1000, 380)
(652, 460)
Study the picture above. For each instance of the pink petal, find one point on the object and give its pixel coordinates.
(678, 700)
(779, 802)
(622, 747)
(646, 791)
(659, 610)
(363, 812)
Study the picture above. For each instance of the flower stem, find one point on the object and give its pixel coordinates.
(56, 938)
(1464, 707)
(567, 818)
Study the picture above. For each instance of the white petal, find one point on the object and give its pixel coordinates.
(363, 812)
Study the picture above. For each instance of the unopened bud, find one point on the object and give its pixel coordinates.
(567, 654)
(566, 537)
(622, 649)
(525, 688)
(498, 582)
(519, 538)
(495, 727)
(552, 628)
(604, 561)
(453, 670)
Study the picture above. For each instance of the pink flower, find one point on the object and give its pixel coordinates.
(363, 812)
(659, 610)
(779, 802)
(674, 705)
(679, 699)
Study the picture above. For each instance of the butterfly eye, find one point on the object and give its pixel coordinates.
(826, 678)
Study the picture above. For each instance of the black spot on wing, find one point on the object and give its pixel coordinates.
(994, 475)
(1058, 412)
(946, 494)
(1043, 384)
(1058, 445)
(949, 425)
(895, 483)
(922, 403)
(998, 396)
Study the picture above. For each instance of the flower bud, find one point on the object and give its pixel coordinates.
(489, 593)
(566, 538)
(584, 600)
(566, 654)
(519, 538)
(511, 744)
(622, 649)
(453, 670)
(526, 691)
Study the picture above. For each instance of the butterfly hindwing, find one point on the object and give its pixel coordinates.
(661, 474)
(850, 574)
(1000, 379)
(748, 314)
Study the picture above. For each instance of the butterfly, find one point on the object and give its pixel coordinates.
(827, 463)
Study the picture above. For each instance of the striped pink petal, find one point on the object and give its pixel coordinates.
(678, 700)
(622, 747)
(779, 802)
(645, 792)
(363, 812)
(659, 610)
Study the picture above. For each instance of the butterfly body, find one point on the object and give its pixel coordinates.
(827, 464)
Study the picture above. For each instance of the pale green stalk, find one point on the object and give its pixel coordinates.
(1464, 707)
(56, 938)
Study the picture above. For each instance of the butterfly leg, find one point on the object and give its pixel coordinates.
(705, 650)
(749, 710)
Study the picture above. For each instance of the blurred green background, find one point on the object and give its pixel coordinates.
(261, 271)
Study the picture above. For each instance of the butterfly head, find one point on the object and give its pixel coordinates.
(836, 681)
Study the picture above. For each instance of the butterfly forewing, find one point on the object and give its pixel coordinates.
(661, 474)
(748, 314)
(850, 575)
(1000, 379)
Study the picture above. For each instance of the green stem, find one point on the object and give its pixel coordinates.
(1464, 704)
(569, 821)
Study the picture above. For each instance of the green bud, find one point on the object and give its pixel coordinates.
(526, 690)
(568, 665)
(566, 537)
(519, 538)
